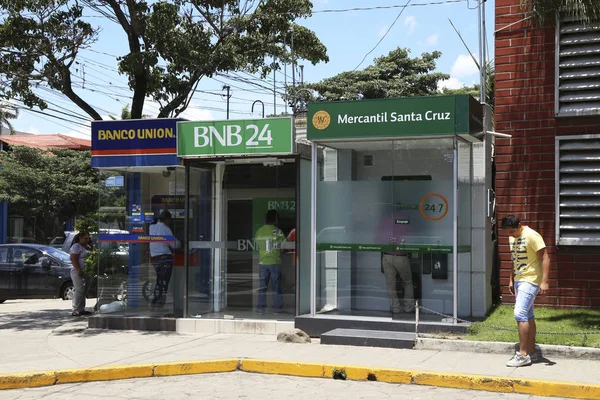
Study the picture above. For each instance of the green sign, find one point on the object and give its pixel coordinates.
(234, 137)
(391, 248)
(285, 207)
(391, 118)
(387, 248)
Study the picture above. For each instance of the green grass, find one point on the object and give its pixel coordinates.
(547, 320)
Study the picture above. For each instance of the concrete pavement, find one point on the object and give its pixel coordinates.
(39, 335)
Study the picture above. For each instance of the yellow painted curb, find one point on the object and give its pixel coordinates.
(282, 368)
(356, 373)
(104, 373)
(196, 367)
(463, 381)
(26, 379)
(557, 389)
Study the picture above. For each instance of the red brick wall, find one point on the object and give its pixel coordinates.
(525, 184)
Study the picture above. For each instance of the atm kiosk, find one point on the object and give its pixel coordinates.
(402, 182)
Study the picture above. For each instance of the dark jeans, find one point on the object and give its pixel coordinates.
(163, 265)
(268, 273)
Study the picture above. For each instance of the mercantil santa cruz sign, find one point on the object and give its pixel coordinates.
(411, 116)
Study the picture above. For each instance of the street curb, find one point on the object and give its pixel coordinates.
(546, 350)
(316, 370)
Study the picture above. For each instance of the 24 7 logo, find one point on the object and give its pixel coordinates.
(321, 120)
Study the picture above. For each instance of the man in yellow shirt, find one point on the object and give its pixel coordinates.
(531, 267)
(268, 241)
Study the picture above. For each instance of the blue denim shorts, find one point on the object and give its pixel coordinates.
(525, 293)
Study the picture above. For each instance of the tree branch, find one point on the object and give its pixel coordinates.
(210, 21)
(67, 89)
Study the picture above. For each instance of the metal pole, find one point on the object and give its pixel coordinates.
(301, 74)
(293, 63)
(483, 55)
(228, 88)
(263, 107)
(285, 72)
(482, 96)
(313, 230)
(274, 90)
(293, 76)
(186, 235)
(417, 319)
(455, 232)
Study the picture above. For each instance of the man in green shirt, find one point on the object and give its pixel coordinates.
(268, 241)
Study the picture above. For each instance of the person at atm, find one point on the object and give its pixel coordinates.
(396, 263)
(161, 255)
(268, 240)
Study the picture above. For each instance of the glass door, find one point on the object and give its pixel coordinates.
(201, 249)
(354, 229)
(242, 246)
(423, 225)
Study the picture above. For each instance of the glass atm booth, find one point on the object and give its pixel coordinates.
(393, 215)
(216, 181)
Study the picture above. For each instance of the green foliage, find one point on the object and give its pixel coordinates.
(490, 87)
(545, 10)
(8, 111)
(173, 44)
(51, 185)
(394, 75)
(87, 224)
(547, 320)
(102, 261)
(339, 374)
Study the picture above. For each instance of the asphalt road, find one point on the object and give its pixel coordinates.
(243, 385)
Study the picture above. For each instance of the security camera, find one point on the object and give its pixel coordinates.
(166, 173)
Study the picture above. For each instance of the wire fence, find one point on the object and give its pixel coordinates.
(426, 310)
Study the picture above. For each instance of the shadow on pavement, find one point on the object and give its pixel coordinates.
(35, 320)
(87, 332)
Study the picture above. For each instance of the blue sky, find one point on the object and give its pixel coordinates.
(348, 36)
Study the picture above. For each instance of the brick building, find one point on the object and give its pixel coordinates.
(548, 173)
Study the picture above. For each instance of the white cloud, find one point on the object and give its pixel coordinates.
(432, 40)
(194, 112)
(34, 130)
(410, 22)
(464, 66)
(452, 83)
(78, 135)
(382, 30)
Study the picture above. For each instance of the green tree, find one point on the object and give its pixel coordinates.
(8, 112)
(49, 185)
(394, 75)
(474, 90)
(172, 45)
(542, 10)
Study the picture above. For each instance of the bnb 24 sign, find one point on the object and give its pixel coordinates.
(234, 137)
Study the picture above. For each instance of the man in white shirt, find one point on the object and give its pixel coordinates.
(161, 254)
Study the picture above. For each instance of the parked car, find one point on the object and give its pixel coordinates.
(118, 251)
(20, 239)
(34, 271)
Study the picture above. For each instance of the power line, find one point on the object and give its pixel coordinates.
(433, 3)
(54, 122)
(384, 36)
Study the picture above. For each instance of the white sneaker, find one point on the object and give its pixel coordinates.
(518, 360)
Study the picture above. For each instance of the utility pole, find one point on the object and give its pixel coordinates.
(293, 76)
(274, 87)
(285, 71)
(293, 63)
(301, 75)
(228, 88)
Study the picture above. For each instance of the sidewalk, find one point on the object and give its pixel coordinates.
(45, 339)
